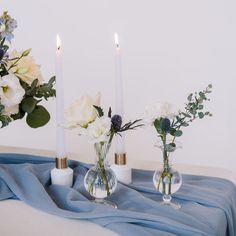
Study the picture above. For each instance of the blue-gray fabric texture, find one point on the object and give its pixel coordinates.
(208, 203)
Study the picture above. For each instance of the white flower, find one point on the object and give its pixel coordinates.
(11, 93)
(159, 110)
(26, 68)
(99, 130)
(82, 112)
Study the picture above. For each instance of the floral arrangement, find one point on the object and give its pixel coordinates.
(168, 124)
(88, 117)
(22, 87)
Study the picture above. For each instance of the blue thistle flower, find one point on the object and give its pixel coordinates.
(116, 121)
(165, 125)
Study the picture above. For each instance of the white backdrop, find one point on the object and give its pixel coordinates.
(170, 48)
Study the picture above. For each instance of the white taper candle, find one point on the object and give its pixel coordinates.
(60, 132)
(119, 101)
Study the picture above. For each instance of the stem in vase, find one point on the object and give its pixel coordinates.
(104, 176)
(166, 172)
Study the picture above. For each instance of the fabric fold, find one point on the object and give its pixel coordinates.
(208, 204)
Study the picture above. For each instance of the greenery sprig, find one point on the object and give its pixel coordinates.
(116, 122)
(194, 109)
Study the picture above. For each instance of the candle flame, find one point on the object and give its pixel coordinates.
(58, 42)
(116, 39)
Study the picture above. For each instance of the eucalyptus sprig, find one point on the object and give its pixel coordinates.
(30, 104)
(194, 109)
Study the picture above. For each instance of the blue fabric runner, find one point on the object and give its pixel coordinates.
(208, 204)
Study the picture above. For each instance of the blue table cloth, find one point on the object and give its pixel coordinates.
(208, 204)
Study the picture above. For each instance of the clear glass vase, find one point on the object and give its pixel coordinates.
(100, 180)
(167, 180)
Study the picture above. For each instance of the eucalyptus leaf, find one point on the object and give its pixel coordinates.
(170, 147)
(190, 97)
(1, 108)
(201, 115)
(5, 120)
(29, 104)
(38, 117)
(185, 124)
(31, 91)
(172, 131)
(202, 95)
(52, 80)
(194, 112)
(178, 133)
(186, 115)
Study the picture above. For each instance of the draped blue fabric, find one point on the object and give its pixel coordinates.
(208, 203)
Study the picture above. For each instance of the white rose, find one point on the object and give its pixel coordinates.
(11, 93)
(82, 112)
(26, 68)
(99, 130)
(160, 110)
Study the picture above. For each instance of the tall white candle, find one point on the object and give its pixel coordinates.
(60, 132)
(119, 103)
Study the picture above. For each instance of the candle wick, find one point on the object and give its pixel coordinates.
(59, 47)
(117, 45)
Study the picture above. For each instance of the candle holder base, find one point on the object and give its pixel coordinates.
(122, 171)
(62, 174)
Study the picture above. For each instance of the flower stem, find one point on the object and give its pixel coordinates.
(104, 176)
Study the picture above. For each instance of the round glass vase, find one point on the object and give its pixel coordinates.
(167, 180)
(100, 180)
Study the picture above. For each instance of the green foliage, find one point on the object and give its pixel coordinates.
(38, 117)
(170, 147)
(19, 115)
(115, 127)
(157, 123)
(194, 109)
(178, 133)
(130, 125)
(46, 90)
(5, 120)
(109, 112)
(99, 111)
(29, 104)
(26, 52)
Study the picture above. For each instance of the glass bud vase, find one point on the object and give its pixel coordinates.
(167, 180)
(100, 180)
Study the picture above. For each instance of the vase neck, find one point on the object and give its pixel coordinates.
(101, 151)
(167, 162)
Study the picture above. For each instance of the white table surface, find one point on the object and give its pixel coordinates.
(19, 219)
